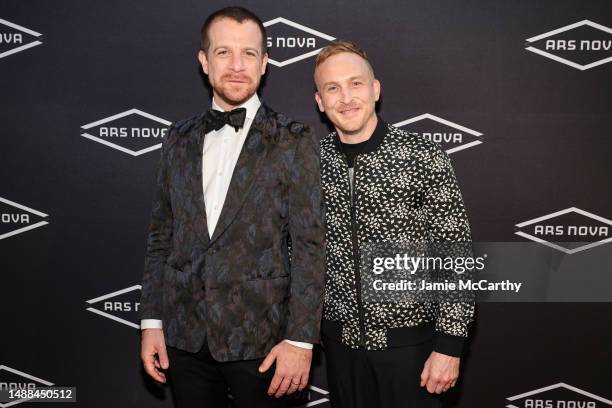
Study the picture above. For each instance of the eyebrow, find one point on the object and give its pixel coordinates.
(244, 49)
(350, 79)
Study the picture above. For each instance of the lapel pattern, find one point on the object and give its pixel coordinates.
(249, 161)
(194, 153)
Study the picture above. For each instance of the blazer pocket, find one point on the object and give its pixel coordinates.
(269, 265)
(171, 274)
(177, 285)
(268, 274)
(264, 293)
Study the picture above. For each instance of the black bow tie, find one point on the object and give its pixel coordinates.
(215, 119)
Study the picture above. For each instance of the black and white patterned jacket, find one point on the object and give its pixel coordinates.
(404, 191)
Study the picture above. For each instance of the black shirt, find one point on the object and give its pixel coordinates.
(352, 150)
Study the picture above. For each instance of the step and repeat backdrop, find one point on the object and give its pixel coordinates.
(519, 93)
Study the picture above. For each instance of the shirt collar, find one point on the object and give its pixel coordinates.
(251, 105)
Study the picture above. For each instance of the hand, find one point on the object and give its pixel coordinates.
(153, 353)
(292, 368)
(440, 372)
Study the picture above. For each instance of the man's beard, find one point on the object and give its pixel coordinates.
(236, 97)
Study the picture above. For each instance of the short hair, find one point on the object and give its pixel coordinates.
(337, 47)
(238, 14)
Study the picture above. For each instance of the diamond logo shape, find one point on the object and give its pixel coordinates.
(573, 230)
(290, 42)
(133, 132)
(582, 45)
(451, 136)
(308, 397)
(16, 218)
(559, 395)
(317, 396)
(15, 38)
(118, 306)
(16, 379)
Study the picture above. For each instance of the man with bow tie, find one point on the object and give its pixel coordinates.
(224, 305)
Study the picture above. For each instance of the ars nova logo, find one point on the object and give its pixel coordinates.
(15, 38)
(317, 396)
(309, 397)
(451, 136)
(581, 45)
(290, 42)
(133, 132)
(11, 379)
(17, 218)
(571, 230)
(120, 306)
(557, 396)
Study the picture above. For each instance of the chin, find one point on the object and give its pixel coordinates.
(348, 129)
(236, 98)
(349, 126)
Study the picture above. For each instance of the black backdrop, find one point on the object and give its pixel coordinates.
(538, 127)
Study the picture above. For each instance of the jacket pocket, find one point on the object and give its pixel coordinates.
(257, 278)
(178, 287)
(269, 266)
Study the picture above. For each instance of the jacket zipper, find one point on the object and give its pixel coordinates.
(356, 260)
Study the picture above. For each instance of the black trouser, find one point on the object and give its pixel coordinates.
(198, 381)
(384, 379)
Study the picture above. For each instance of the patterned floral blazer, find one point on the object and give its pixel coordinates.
(238, 290)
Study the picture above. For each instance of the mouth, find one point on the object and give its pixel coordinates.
(348, 112)
(237, 80)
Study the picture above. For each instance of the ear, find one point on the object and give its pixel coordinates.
(319, 101)
(376, 85)
(203, 61)
(264, 63)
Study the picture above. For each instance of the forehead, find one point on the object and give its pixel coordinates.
(226, 31)
(342, 66)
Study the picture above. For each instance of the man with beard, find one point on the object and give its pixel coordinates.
(236, 186)
(382, 185)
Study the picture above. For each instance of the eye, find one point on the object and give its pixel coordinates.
(357, 83)
(222, 52)
(251, 53)
(332, 88)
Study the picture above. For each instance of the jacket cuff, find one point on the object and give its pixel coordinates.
(448, 344)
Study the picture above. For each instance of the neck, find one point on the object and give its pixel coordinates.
(360, 135)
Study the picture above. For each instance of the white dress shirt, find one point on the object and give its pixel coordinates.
(220, 154)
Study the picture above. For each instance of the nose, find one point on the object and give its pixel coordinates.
(237, 62)
(346, 95)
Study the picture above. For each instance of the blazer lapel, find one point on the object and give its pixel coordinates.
(194, 174)
(250, 158)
